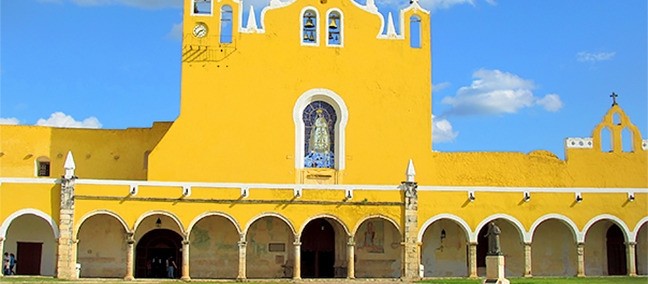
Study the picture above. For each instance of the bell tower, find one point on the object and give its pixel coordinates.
(209, 30)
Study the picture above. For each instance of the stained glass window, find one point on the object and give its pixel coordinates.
(319, 137)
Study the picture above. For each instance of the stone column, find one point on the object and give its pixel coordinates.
(472, 260)
(351, 258)
(527, 260)
(297, 265)
(66, 252)
(2, 254)
(130, 256)
(580, 252)
(411, 255)
(632, 261)
(242, 253)
(185, 260)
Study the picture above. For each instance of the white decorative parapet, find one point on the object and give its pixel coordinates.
(644, 144)
(579, 143)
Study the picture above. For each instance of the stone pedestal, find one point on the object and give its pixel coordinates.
(495, 270)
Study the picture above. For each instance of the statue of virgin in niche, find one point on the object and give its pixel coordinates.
(320, 139)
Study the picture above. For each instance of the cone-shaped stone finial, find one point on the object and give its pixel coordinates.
(69, 166)
(251, 20)
(410, 172)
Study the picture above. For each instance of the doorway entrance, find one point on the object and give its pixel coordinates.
(154, 250)
(616, 252)
(29, 255)
(318, 250)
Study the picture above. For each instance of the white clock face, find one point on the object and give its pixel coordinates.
(200, 30)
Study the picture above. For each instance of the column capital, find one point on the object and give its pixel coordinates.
(631, 243)
(297, 243)
(185, 242)
(242, 243)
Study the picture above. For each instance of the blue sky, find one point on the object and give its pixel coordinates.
(508, 75)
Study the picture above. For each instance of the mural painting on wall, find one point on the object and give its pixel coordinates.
(374, 237)
(200, 238)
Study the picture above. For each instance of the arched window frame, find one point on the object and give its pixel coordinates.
(302, 29)
(194, 3)
(415, 36)
(226, 34)
(342, 112)
(42, 167)
(340, 27)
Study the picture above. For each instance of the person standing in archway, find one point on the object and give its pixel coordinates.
(5, 264)
(171, 267)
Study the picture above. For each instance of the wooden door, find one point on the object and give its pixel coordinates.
(28, 256)
(616, 252)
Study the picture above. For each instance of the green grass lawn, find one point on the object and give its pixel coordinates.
(570, 280)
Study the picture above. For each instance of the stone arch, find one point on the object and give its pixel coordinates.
(390, 220)
(170, 215)
(340, 108)
(7, 222)
(100, 212)
(32, 235)
(452, 217)
(517, 224)
(378, 250)
(637, 227)
(269, 214)
(616, 220)
(270, 249)
(641, 247)
(562, 218)
(102, 237)
(323, 251)
(213, 243)
(596, 246)
(553, 250)
(444, 246)
(325, 216)
(511, 243)
(213, 213)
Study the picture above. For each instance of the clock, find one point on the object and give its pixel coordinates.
(200, 30)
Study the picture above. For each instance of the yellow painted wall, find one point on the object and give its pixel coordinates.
(236, 117)
(98, 153)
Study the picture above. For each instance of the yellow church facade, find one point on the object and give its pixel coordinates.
(303, 150)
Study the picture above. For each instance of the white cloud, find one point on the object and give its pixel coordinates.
(585, 56)
(440, 86)
(175, 32)
(59, 119)
(442, 130)
(9, 121)
(550, 102)
(497, 92)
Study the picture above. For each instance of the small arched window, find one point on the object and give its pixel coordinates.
(309, 29)
(415, 31)
(226, 24)
(202, 7)
(606, 140)
(616, 119)
(319, 135)
(626, 140)
(334, 29)
(43, 166)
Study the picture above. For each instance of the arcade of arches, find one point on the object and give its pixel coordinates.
(215, 248)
